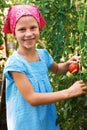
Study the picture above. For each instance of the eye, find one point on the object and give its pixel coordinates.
(33, 27)
(21, 29)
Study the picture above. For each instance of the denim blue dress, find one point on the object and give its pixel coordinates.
(20, 114)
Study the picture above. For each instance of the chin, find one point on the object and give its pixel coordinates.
(28, 47)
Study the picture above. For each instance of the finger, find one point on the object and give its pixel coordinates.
(81, 82)
(84, 88)
(84, 92)
(76, 58)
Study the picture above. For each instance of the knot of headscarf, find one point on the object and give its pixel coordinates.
(16, 12)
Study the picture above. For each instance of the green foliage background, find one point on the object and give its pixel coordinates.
(64, 35)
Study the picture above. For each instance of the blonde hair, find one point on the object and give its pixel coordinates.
(41, 43)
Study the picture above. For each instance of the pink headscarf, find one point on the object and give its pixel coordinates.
(16, 12)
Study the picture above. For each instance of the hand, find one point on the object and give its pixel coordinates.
(78, 88)
(74, 59)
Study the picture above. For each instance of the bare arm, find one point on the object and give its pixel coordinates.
(35, 98)
(62, 68)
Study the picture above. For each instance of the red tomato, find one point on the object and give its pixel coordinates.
(73, 68)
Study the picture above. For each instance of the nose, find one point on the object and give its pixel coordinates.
(28, 33)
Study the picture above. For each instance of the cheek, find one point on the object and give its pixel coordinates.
(38, 34)
(18, 36)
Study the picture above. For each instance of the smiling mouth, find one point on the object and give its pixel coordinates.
(29, 41)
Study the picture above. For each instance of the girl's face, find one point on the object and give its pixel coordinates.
(27, 32)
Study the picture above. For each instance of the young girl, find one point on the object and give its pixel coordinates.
(29, 98)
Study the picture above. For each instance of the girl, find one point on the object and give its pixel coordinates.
(29, 98)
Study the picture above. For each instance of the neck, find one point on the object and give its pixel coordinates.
(26, 52)
(30, 55)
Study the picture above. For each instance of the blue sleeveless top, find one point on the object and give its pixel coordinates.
(20, 114)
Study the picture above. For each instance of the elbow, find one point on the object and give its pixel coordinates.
(32, 100)
(32, 103)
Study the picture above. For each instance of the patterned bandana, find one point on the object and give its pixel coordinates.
(16, 12)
